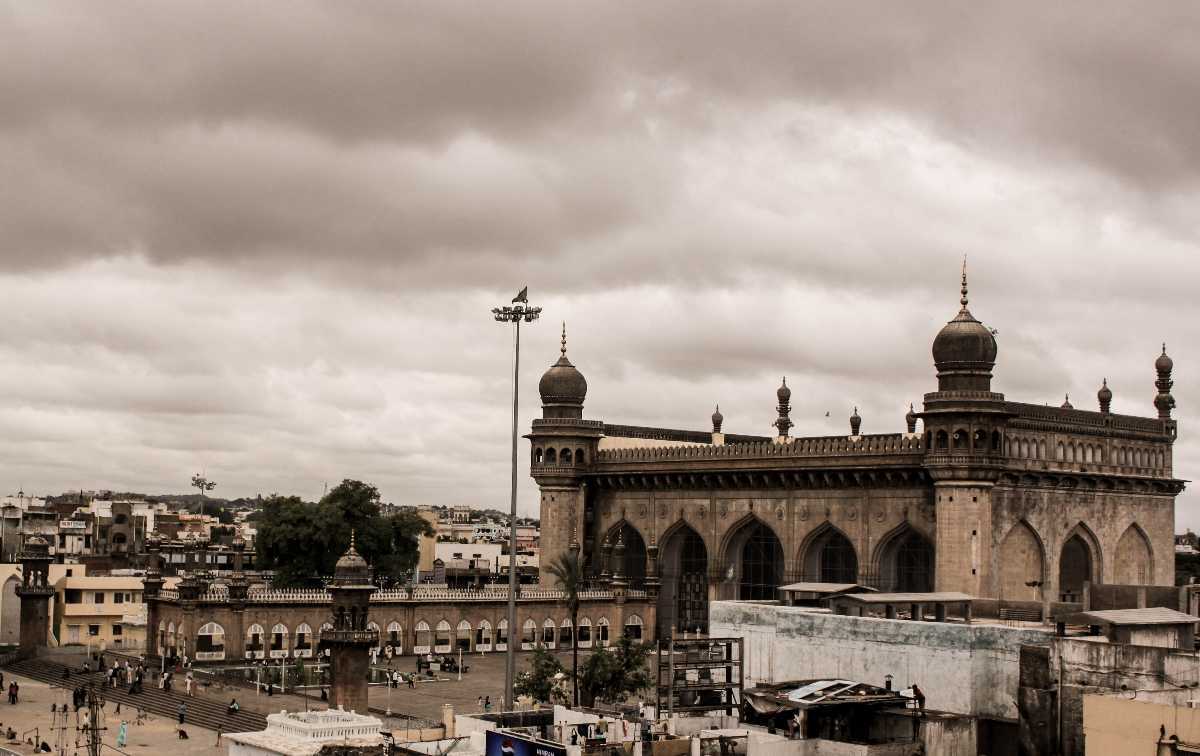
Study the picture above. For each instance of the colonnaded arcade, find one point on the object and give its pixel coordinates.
(1008, 501)
(233, 620)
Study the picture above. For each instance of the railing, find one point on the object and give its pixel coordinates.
(416, 595)
(824, 446)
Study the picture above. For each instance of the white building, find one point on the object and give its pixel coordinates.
(304, 733)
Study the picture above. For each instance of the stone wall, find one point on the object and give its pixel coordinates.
(965, 669)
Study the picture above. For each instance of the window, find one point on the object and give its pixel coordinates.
(279, 640)
(93, 629)
(394, 633)
(73, 596)
(483, 636)
(254, 642)
(528, 634)
(564, 634)
(99, 598)
(633, 627)
(424, 639)
(304, 640)
(70, 573)
(602, 632)
(118, 598)
(548, 628)
(210, 642)
(441, 637)
(116, 630)
(584, 633)
(502, 635)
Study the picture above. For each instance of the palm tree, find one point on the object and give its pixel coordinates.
(567, 569)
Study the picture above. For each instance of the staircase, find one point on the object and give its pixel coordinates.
(201, 712)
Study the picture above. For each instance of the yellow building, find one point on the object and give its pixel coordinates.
(10, 603)
(100, 612)
(1118, 725)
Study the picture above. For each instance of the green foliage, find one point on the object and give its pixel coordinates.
(567, 570)
(538, 682)
(302, 541)
(613, 674)
(1187, 566)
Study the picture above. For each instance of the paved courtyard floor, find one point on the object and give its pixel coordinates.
(31, 718)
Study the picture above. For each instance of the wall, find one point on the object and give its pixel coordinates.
(965, 669)
(1113, 724)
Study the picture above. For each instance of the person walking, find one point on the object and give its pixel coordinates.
(187, 684)
(182, 713)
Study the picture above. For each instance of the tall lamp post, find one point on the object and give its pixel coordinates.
(521, 311)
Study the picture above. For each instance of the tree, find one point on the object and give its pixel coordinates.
(615, 674)
(302, 541)
(203, 484)
(567, 570)
(540, 681)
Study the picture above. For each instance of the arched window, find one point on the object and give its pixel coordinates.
(550, 457)
(548, 628)
(564, 456)
(210, 642)
(960, 438)
(483, 636)
(395, 636)
(602, 639)
(441, 638)
(633, 627)
(942, 440)
(371, 626)
(528, 635)
(279, 641)
(1062, 455)
(254, 642)
(565, 636)
(423, 642)
(980, 440)
(537, 456)
(462, 637)
(584, 633)
(304, 644)
(1041, 450)
(579, 456)
(326, 626)
(502, 635)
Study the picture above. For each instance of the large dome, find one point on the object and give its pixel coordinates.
(964, 343)
(965, 349)
(562, 383)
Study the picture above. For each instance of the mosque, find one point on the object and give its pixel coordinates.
(1015, 503)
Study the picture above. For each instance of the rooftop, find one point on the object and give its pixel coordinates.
(1151, 615)
(944, 597)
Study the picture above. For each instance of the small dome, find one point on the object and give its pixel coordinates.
(1164, 364)
(562, 383)
(717, 419)
(784, 394)
(1105, 393)
(1067, 402)
(351, 566)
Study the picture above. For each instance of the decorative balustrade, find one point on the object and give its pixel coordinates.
(823, 446)
(398, 595)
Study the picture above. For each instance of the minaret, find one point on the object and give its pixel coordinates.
(718, 438)
(855, 423)
(350, 641)
(35, 592)
(563, 446)
(152, 584)
(783, 423)
(1164, 401)
(964, 423)
(1104, 396)
(910, 420)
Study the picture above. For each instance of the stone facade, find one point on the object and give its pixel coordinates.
(1014, 502)
(287, 622)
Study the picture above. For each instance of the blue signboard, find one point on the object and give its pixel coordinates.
(512, 744)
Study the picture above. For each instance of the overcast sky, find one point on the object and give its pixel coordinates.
(261, 240)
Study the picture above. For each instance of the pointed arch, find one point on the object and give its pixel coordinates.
(634, 565)
(1022, 557)
(1080, 561)
(755, 552)
(683, 572)
(903, 560)
(827, 555)
(1133, 561)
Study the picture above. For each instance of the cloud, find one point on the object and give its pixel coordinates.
(264, 240)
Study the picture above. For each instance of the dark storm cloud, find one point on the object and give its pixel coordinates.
(263, 239)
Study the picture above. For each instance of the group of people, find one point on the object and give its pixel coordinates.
(128, 674)
(14, 692)
(485, 703)
(397, 678)
(448, 663)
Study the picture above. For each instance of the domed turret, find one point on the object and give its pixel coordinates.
(783, 393)
(855, 423)
(1104, 395)
(910, 419)
(783, 423)
(1067, 402)
(351, 568)
(1163, 401)
(717, 419)
(1164, 364)
(964, 351)
(563, 388)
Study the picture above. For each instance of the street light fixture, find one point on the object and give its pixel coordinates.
(522, 311)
